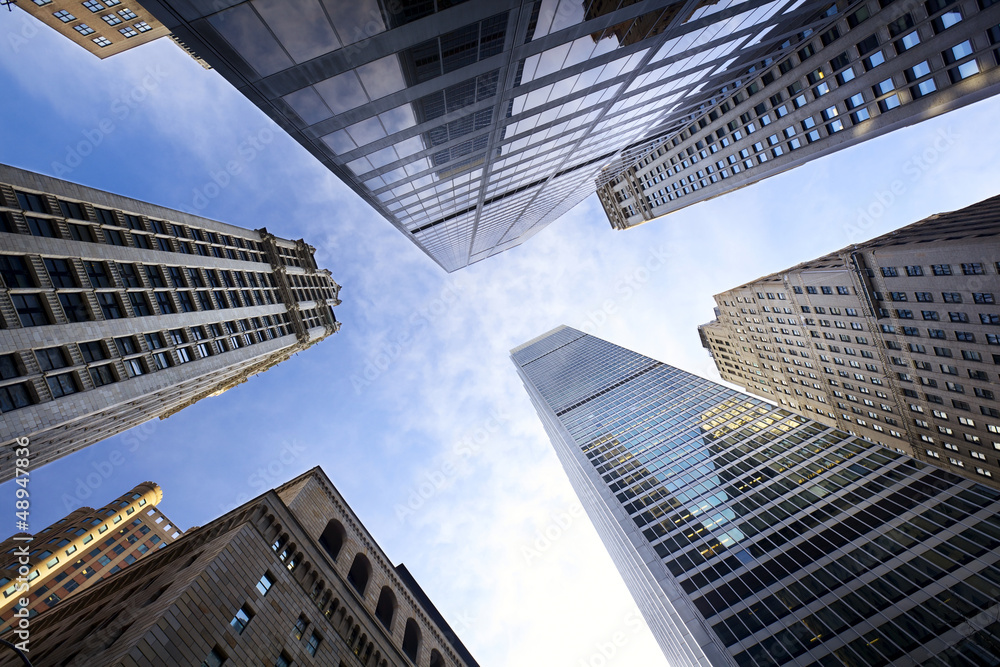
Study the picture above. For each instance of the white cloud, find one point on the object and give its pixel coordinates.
(431, 395)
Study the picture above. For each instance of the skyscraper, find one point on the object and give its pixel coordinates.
(750, 536)
(868, 68)
(114, 311)
(82, 548)
(896, 339)
(290, 578)
(472, 125)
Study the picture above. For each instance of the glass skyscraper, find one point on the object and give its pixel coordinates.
(751, 536)
(472, 125)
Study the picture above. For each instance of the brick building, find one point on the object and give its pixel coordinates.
(896, 339)
(82, 548)
(291, 577)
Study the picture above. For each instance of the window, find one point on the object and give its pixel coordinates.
(135, 367)
(15, 272)
(983, 297)
(98, 274)
(411, 639)
(313, 644)
(74, 307)
(84, 29)
(155, 277)
(215, 658)
(15, 396)
(140, 304)
(242, 619)
(102, 42)
(64, 16)
(300, 627)
(31, 202)
(110, 306)
(30, 310)
(386, 607)
(360, 572)
(39, 227)
(80, 233)
(164, 303)
(265, 583)
(62, 385)
(102, 375)
(60, 273)
(941, 269)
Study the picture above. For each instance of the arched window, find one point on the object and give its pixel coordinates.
(361, 570)
(332, 538)
(386, 607)
(436, 659)
(411, 639)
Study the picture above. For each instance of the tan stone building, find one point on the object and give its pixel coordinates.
(896, 340)
(102, 27)
(291, 577)
(84, 547)
(860, 69)
(114, 311)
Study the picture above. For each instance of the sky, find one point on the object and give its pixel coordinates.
(414, 409)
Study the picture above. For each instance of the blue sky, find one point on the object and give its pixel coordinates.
(414, 409)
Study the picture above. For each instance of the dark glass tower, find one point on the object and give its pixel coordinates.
(472, 125)
(750, 536)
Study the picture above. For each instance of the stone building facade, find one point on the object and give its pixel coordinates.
(114, 311)
(864, 69)
(102, 27)
(291, 577)
(84, 547)
(896, 339)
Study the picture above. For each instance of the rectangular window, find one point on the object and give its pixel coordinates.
(242, 619)
(98, 274)
(93, 351)
(265, 583)
(60, 273)
(140, 304)
(110, 306)
(30, 310)
(74, 307)
(62, 385)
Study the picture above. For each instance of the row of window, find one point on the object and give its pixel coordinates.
(164, 234)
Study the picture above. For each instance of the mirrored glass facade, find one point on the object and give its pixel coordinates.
(471, 125)
(750, 536)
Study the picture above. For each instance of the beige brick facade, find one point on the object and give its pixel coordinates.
(182, 603)
(896, 340)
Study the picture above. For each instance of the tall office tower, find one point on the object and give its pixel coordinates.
(750, 536)
(291, 577)
(114, 311)
(472, 125)
(869, 68)
(84, 547)
(896, 339)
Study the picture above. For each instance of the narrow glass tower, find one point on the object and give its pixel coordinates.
(752, 536)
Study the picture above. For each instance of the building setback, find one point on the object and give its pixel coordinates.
(869, 68)
(114, 311)
(472, 125)
(82, 548)
(292, 577)
(896, 339)
(750, 536)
